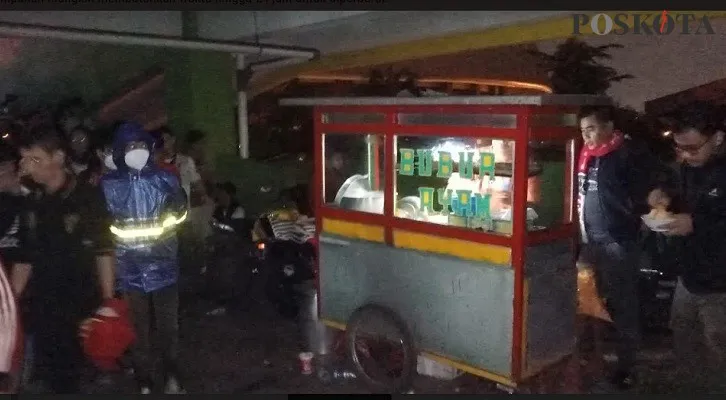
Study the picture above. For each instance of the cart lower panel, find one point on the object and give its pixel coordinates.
(550, 306)
(457, 308)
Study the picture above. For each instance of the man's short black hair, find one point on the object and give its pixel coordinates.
(705, 118)
(228, 187)
(65, 106)
(101, 138)
(603, 114)
(165, 130)
(8, 153)
(47, 139)
(82, 128)
(158, 135)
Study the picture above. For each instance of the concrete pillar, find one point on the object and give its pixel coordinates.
(190, 25)
(243, 132)
(201, 94)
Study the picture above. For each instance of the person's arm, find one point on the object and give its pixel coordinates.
(196, 185)
(645, 173)
(19, 277)
(175, 202)
(239, 213)
(106, 266)
(100, 222)
(8, 329)
(237, 221)
(22, 260)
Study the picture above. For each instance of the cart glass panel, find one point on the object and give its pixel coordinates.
(461, 182)
(549, 186)
(353, 176)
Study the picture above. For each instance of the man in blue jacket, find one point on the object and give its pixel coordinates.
(147, 204)
(614, 177)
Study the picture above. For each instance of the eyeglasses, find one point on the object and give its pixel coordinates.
(25, 160)
(691, 149)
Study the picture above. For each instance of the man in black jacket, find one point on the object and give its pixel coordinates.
(700, 298)
(615, 176)
(68, 245)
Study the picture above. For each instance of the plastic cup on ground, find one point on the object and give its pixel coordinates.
(306, 363)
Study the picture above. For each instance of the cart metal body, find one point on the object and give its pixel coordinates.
(498, 302)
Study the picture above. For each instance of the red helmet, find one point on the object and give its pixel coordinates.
(107, 338)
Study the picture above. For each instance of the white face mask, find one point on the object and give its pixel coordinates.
(137, 158)
(108, 162)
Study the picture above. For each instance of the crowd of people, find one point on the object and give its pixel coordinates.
(90, 226)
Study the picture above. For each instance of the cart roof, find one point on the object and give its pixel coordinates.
(539, 100)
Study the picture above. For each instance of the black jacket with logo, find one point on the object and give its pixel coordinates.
(702, 255)
(65, 232)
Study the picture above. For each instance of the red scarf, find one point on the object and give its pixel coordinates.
(598, 151)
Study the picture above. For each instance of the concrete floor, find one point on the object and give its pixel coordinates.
(255, 351)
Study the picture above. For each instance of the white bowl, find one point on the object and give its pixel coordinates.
(656, 224)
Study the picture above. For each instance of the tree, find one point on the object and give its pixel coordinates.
(574, 68)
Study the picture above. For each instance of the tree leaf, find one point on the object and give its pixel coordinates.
(574, 67)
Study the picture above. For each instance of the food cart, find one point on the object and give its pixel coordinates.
(446, 227)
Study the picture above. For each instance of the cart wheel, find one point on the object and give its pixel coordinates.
(381, 348)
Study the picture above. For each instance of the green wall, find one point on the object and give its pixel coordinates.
(201, 95)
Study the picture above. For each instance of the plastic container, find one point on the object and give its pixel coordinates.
(428, 367)
(306, 362)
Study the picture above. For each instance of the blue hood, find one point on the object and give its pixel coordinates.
(142, 200)
(126, 133)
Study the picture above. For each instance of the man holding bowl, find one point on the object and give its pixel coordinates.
(699, 230)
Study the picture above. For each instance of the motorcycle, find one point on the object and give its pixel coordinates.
(287, 258)
(656, 283)
(229, 255)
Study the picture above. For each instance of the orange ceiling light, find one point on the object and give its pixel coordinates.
(454, 81)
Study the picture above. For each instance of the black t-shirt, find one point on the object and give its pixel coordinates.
(66, 231)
